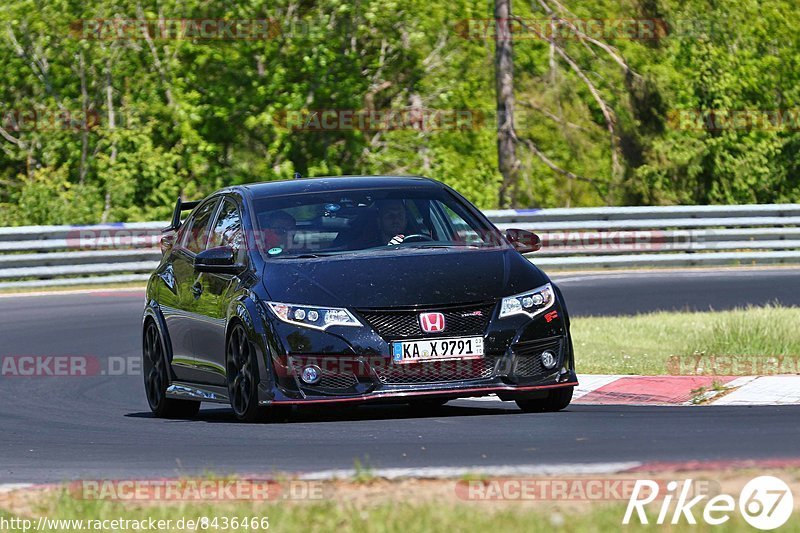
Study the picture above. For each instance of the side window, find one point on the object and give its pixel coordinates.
(228, 228)
(196, 234)
(463, 231)
(417, 221)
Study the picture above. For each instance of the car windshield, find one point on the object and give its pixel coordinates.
(368, 220)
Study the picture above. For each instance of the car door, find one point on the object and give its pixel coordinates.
(179, 306)
(213, 293)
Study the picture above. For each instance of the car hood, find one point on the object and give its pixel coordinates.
(401, 278)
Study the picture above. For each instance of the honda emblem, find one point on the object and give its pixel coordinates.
(431, 322)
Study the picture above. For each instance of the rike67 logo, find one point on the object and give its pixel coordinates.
(765, 503)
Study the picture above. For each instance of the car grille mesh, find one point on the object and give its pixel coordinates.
(528, 366)
(465, 320)
(527, 360)
(437, 371)
(331, 380)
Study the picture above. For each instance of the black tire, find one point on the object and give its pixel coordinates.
(157, 377)
(241, 366)
(557, 400)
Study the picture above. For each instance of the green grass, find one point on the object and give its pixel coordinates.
(396, 516)
(133, 285)
(651, 343)
(364, 473)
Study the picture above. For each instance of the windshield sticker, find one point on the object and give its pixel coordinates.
(275, 251)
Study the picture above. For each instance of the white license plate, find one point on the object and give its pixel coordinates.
(437, 349)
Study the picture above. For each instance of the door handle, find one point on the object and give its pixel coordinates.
(197, 289)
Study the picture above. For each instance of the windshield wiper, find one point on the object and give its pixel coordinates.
(307, 255)
(446, 245)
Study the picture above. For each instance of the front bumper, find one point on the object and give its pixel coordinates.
(518, 372)
(356, 366)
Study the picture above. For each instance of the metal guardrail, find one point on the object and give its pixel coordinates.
(579, 238)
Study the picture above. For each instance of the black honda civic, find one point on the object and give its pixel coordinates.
(346, 290)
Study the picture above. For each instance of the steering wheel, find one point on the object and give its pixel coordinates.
(417, 237)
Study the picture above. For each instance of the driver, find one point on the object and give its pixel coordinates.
(392, 221)
(277, 228)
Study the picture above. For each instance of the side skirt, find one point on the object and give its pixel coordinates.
(206, 393)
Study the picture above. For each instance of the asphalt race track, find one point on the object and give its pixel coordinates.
(60, 428)
(641, 292)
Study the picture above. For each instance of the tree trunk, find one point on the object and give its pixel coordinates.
(85, 120)
(504, 87)
(112, 124)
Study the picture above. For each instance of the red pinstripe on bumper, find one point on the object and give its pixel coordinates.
(458, 393)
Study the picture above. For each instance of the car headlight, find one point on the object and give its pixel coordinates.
(313, 317)
(529, 303)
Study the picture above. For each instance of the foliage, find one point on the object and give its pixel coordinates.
(164, 117)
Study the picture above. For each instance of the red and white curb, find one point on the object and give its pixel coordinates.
(597, 389)
(654, 390)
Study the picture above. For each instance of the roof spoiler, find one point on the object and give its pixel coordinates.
(180, 206)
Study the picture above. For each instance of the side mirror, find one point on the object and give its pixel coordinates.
(167, 241)
(220, 260)
(523, 241)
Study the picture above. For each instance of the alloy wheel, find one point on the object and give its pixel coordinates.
(241, 365)
(156, 376)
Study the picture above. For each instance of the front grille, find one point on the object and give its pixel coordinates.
(463, 320)
(528, 366)
(329, 380)
(527, 360)
(437, 371)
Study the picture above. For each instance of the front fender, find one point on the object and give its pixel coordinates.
(246, 310)
(152, 311)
